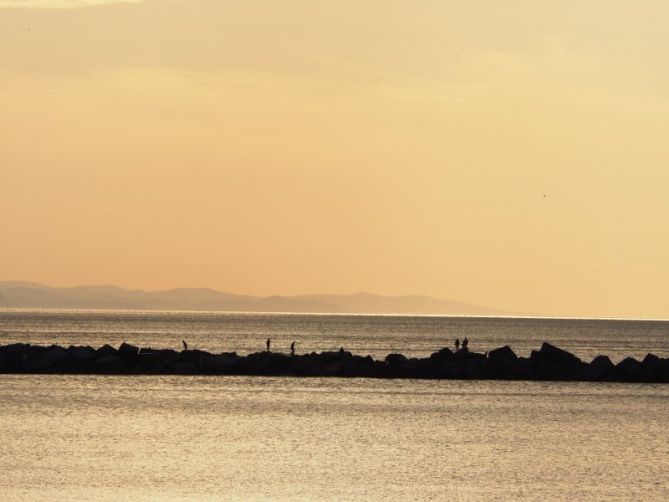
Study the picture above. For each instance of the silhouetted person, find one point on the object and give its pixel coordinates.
(341, 351)
(465, 343)
(457, 344)
(292, 349)
(268, 344)
(185, 344)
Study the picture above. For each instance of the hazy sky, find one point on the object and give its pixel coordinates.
(298, 147)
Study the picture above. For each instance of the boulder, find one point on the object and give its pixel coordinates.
(450, 370)
(362, 366)
(128, 355)
(597, 370)
(627, 370)
(218, 364)
(150, 361)
(14, 350)
(473, 372)
(106, 350)
(51, 358)
(331, 368)
(442, 355)
(396, 360)
(503, 363)
(558, 356)
(81, 354)
(663, 371)
(189, 356)
(502, 356)
(396, 365)
(13, 355)
(110, 363)
(650, 368)
(525, 370)
(33, 352)
(306, 365)
(425, 368)
(185, 369)
(267, 363)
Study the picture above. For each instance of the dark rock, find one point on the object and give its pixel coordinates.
(332, 368)
(14, 350)
(307, 365)
(81, 354)
(663, 371)
(185, 368)
(267, 363)
(650, 368)
(525, 370)
(548, 363)
(474, 372)
(396, 360)
(218, 364)
(362, 366)
(443, 355)
(425, 368)
(627, 370)
(504, 363)
(128, 355)
(502, 356)
(13, 356)
(190, 356)
(109, 363)
(33, 352)
(558, 356)
(151, 361)
(597, 369)
(48, 359)
(106, 350)
(450, 370)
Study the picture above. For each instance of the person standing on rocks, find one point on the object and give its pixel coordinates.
(465, 343)
(457, 344)
(185, 344)
(268, 344)
(292, 349)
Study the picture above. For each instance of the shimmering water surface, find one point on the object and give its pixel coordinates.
(232, 438)
(363, 334)
(245, 438)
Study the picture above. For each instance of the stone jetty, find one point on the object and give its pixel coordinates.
(547, 363)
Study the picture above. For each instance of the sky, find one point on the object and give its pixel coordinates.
(509, 154)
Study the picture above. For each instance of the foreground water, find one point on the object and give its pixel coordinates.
(231, 438)
(223, 438)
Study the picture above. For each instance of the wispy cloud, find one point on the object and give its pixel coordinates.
(57, 4)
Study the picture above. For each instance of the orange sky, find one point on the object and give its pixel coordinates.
(300, 147)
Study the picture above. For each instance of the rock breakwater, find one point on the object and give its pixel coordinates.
(547, 363)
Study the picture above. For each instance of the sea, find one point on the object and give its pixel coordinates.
(145, 438)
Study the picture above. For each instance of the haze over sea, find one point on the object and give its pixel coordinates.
(212, 438)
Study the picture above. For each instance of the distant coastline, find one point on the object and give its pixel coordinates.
(34, 295)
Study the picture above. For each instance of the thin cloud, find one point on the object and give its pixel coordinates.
(57, 4)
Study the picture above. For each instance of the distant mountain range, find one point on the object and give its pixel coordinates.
(33, 295)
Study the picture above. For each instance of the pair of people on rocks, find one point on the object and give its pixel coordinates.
(465, 343)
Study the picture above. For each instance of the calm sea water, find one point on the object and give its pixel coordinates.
(244, 438)
(363, 334)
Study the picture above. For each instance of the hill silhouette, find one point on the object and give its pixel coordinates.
(34, 295)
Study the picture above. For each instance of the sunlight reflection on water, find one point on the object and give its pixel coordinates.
(212, 438)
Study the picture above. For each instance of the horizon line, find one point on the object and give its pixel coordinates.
(351, 314)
